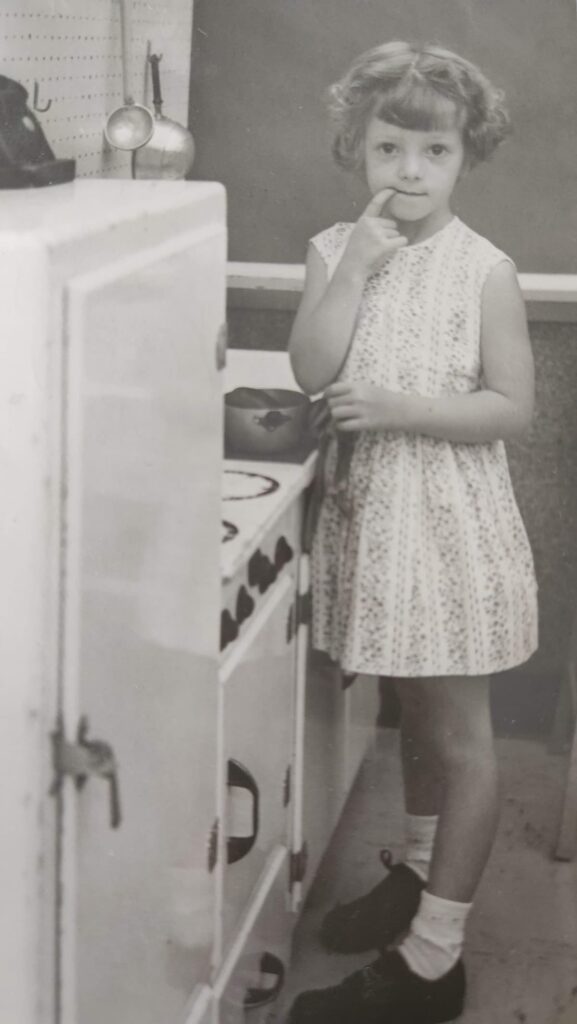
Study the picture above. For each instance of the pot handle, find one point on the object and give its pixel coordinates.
(125, 43)
(154, 60)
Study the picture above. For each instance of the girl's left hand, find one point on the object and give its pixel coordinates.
(358, 406)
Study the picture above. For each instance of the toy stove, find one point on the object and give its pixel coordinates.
(259, 514)
(260, 534)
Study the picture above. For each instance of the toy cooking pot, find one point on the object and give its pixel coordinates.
(265, 421)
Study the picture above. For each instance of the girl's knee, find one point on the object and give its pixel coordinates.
(462, 751)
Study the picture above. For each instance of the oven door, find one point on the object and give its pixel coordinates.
(257, 691)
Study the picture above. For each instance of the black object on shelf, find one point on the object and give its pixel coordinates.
(26, 159)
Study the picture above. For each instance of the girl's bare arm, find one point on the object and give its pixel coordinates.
(326, 319)
(324, 324)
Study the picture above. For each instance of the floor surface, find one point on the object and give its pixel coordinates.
(521, 953)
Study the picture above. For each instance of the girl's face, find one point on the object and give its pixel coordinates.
(422, 166)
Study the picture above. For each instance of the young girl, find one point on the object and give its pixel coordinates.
(413, 327)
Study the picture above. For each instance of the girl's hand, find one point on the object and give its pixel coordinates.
(358, 406)
(374, 239)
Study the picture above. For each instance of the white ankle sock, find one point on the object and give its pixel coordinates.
(420, 831)
(435, 940)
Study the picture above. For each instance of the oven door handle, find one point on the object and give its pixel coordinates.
(239, 777)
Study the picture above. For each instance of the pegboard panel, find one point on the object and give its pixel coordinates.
(69, 53)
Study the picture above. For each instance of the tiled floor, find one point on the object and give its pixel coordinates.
(522, 936)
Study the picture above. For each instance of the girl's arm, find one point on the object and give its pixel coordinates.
(326, 319)
(503, 409)
(324, 324)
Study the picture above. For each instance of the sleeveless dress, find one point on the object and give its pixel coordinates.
(426, 568)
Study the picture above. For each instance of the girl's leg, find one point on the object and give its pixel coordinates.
(422, 776)
(460, 732)
(459, 727)
(451, 718)
(422, 784)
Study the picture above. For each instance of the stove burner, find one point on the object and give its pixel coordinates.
(229, 530)
(241, 485)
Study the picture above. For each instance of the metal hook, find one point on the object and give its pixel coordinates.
(39, 110)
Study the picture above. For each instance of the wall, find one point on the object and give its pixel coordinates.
(260, 68)
(71, 48)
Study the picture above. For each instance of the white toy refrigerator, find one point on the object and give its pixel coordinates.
(112, 297)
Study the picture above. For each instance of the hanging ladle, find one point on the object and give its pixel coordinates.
(170, 151)
(130, 126)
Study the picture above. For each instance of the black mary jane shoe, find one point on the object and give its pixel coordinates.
(375, 920)
(385, 992)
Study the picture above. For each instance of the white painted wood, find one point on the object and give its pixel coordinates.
(284, 277)
(255, 519)
(142, 512)
(200, 1008)
(549, 287)
(289, 277)
(30, 487)
(258, 714)
(232, 658)
(266, 929)
(47, 238)
(247, 368)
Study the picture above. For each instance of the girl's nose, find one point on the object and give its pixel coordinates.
(411, 166)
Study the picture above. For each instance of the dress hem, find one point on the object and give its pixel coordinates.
(388, 670)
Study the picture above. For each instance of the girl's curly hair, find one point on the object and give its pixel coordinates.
(416, 87)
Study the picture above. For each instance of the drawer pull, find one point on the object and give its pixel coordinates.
(274, 968)
(239, 777)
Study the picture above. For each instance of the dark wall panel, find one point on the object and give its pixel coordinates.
(260, 68)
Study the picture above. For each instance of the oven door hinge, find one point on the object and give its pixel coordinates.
(287, 786)
(221, 346)
(298, 865)
(85, 759)
(212, 846)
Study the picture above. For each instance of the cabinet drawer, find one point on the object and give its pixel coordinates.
(252, 980)
(257, 701)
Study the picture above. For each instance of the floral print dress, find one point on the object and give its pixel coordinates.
(425, 569)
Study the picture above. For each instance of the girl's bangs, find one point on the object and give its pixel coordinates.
(418, 106)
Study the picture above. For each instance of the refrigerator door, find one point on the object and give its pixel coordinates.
(140, 595)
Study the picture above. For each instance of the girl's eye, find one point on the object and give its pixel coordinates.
(438, 149)
(388, 148)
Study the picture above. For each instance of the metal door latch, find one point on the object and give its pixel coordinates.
(84, 759)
